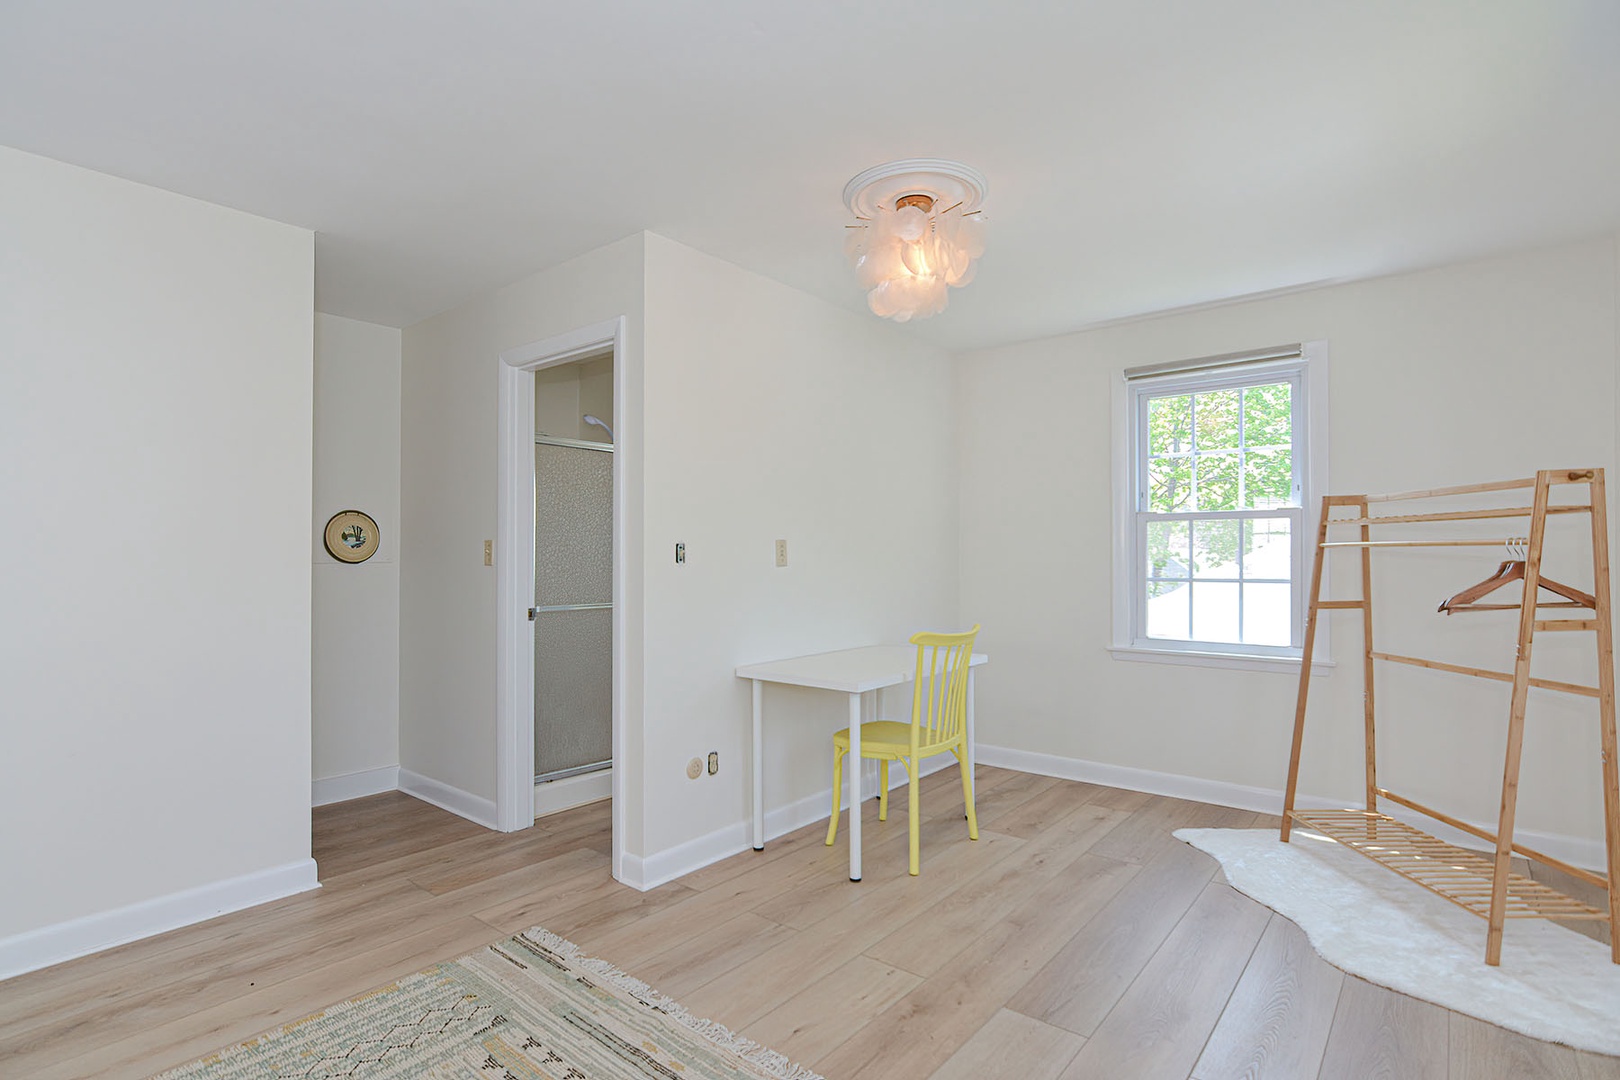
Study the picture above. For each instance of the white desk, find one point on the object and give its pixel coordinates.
(849, 671)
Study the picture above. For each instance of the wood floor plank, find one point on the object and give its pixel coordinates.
(696, 959)
(1276, 1024)
(1381, 1035)
(796, 843)
(1160, 1025)
(918, 1033)
(1150, 829)
(825, 1014)
(1478, 1049)
(1035, 815)
(1087, 977)
(534, 908)
(883, 860)
(1597, 1066)
(867, 912)
(1124, 799)
(1012, 1045)
(714, 906)
(153, 1049)
(990, 805)
(61, 994)
(464, 865)
(926, 945)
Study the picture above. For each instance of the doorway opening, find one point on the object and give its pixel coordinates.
(573, 584)
(555, 423)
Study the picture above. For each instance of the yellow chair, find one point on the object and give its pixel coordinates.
(938, 724)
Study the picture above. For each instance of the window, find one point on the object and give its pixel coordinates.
(1218, 480)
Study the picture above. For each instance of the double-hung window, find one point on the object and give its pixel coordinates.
(1220, 475)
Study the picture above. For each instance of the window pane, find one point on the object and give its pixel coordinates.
(1215, 548)
(1218, 481)
(1167, 610)
(1215, 611)
(1167, 550)
(1170, 484)
(1217, 417)
(1267, 615)
(1268, 479)
(1267, 415)
(1268, 549)
(1170, 425)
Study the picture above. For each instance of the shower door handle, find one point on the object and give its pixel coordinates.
(535, 611)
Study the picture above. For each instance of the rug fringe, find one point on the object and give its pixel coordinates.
(773, 1062)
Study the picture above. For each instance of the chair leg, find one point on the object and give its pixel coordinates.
(883, 789)
(915, 816)
(838, 788)
(967, 796)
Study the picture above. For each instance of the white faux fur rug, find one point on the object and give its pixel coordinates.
(1553, 983)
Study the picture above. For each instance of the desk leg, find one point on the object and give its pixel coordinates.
(854, 787)
(759, 765)
(972, 754)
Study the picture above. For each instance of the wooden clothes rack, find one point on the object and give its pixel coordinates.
(1483, 884)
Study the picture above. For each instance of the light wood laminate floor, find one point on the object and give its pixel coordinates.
(1076, 938)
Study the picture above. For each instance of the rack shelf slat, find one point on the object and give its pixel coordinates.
(1456, 873)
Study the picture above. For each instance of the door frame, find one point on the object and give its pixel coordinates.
(514, 571)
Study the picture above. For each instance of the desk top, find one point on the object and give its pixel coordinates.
(852, 671)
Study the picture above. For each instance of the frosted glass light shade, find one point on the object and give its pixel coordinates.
(908, 252)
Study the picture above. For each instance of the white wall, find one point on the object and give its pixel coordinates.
(770, 414)
(155, 650)
(448, 490)
(767, 414)
(355, 703)
(1478, 371)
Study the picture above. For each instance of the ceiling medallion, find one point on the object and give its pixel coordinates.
(920, 234)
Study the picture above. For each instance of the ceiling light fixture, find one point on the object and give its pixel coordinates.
(921, 231)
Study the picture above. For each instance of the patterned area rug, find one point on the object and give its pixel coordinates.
(1553, 983)
(528, 1008)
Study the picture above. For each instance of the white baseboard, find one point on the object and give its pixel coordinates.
(87, 934)
(656, 869)
(555, 796)
(1588, 853)
(355, 785)
(474, 808)
(653, 870)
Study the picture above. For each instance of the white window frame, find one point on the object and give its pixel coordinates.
(1305, 366)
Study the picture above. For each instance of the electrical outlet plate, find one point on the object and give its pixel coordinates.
(781, 553)
(714, 762)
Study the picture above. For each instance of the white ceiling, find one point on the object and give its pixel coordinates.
(1142, 154)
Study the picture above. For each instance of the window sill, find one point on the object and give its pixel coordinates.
(1285, 665)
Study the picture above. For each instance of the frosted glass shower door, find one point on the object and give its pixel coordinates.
(573, 613)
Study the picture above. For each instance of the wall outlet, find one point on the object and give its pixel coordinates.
(694, 768)
(781, 553)
(489, 553)
(680, 554)
(714, 762)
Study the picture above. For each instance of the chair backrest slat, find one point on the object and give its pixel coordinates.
(942, 671)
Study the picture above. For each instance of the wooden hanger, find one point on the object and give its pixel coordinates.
(1513, 570)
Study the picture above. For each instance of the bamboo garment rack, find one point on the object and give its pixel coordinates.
(1481, 883)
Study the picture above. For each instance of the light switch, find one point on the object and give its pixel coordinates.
(781, 553)
(489, 553)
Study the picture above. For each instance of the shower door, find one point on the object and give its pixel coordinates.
(573, 612)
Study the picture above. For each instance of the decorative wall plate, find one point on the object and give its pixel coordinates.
(351, 536)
